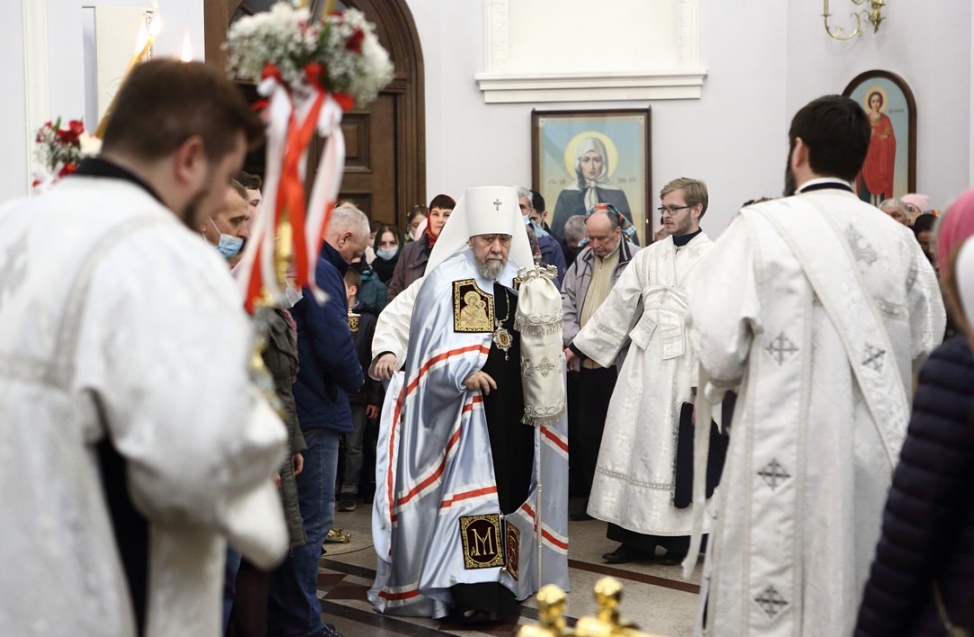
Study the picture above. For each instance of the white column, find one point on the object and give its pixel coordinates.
(36, 74)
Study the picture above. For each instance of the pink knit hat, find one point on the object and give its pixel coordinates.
(920, 201)
(955, 228)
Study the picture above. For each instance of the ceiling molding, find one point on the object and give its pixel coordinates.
(508, 88)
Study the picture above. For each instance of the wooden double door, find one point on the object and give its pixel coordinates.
(385, 150)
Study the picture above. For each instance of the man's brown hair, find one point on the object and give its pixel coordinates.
(694, 191)
(164, 102)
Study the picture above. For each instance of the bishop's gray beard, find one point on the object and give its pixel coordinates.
(491, 268)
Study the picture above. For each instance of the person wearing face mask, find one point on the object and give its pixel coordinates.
(413, 258)
(229, 227)
(388, 246)
(371, 291)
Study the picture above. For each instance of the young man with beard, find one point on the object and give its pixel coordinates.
(137, 445)
(635, 485)
(817, 309)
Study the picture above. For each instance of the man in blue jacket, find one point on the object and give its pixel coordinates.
(329, 369)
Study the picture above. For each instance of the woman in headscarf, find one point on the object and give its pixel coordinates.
(922, 578)
(592, 186)
(414, 257)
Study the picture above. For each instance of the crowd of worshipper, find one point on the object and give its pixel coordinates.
(785, 404)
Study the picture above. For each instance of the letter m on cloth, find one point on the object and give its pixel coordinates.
(481, 541)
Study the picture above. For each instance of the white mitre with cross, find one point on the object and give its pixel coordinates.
(484, 210)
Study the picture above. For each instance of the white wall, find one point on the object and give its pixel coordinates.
(13, 109)
(66, 81)
(734, 138)
(929, 46)
(765, 60)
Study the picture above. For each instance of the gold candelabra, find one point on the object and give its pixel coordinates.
(874, 14)
(607, 623)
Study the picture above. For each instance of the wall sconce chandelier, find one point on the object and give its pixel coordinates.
(873, 14)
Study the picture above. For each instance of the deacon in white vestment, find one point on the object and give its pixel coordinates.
(459, 462)
(635, 479)
(819, 307)
(134, 444)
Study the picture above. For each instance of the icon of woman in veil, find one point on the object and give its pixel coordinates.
(592, 187)
(875, 181)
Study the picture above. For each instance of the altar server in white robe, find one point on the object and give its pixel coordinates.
(134, 445)
(820, 307)
(635, 479)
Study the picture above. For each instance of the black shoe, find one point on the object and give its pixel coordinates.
(474, 617)
(328, 631)
(672, 559)
(625, 554)
(580, 516)
(347, 502)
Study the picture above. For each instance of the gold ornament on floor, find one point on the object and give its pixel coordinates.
(338, 536)
(607, 623)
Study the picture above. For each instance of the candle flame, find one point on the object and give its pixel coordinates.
(187, 55)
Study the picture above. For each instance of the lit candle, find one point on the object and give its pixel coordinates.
(187, 55)
(143, 44)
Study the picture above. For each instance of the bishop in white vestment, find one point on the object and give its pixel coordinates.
(819, 307)
(635, 480)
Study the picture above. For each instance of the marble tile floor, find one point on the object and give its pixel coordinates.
(656, 597)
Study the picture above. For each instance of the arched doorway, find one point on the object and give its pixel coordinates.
(385, 157)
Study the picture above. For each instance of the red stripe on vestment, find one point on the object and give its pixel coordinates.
(547, 433)
(392, 446)
(395, 597)
(441, 357)
(466, 495)
(553, 540)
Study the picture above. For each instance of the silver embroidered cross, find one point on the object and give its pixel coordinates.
(781, 348)
(545, 366)
(861, 248)
(13, 269)
(774, 474)
(771, 601)
(873, 357)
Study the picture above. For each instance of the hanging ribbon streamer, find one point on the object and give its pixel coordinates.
(291, 229)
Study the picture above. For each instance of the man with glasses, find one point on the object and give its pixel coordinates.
(635, 483)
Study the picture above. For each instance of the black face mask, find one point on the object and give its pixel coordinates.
(361, 266)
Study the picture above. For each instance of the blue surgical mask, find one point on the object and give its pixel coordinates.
(229, 246)
(387, 254)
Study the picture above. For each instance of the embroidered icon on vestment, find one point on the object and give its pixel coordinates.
(473, 310)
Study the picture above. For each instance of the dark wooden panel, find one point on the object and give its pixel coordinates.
(356, 127)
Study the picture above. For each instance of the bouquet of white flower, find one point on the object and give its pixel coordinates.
(340, 53)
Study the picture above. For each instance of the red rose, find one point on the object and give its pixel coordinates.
(68, 169)
(354, 43)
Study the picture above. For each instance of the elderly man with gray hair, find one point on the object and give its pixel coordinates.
(896, 209)
(328, 368)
